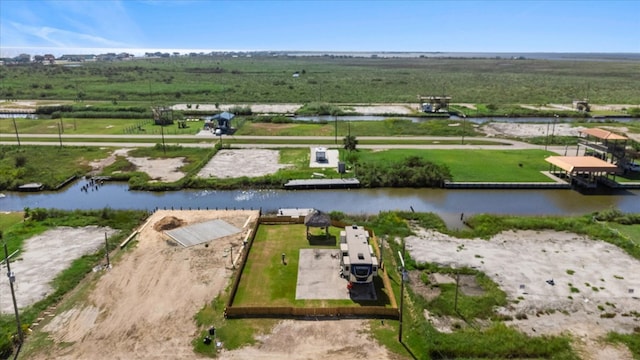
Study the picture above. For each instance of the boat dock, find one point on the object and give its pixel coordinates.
(505, 185)
(322, 184)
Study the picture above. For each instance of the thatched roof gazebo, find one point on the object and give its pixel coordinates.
(317, 218)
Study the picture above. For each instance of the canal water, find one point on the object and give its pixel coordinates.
(449, 204)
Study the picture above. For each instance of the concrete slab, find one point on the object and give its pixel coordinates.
(319, 276)
(332, 157)
(202, 232)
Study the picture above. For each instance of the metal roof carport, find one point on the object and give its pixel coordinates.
(202, 232)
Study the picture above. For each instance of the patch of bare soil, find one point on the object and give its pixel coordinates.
(255, 108)
(379, 109)
(301, 340)
(98, 165)
(239, 163)
(165, 170)
(144, 306)
(558, 283)
(519, 130)
(168, 223)
(43, 257)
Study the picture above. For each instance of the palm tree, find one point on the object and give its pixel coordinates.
(350, 142)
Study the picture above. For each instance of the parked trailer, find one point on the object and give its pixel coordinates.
(359, 263)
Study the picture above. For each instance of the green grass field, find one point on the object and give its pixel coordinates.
(72, 126)
(327, 79)
(475, 165)
(267, 282)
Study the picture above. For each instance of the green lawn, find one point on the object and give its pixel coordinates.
(266, 281)
(476, 165)
(72, 126)
(7, 220)
(47, 165)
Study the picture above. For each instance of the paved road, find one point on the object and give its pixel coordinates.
(284, 141)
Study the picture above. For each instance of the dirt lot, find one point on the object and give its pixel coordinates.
(523, 263)
(238, 163)
(368, 109)
(164, 170)
(519, 130)
(43, 258)
(143, 307)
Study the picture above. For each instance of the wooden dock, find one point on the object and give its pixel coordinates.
(322, 184)
(505, 185)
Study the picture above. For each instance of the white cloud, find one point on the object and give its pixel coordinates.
(50, 36)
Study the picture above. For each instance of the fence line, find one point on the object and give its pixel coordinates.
(231, 311)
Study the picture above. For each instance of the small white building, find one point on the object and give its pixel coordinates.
(358, 261)
(321, 155)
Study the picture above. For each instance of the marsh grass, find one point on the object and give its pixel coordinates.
(328, 79)
(50, 167)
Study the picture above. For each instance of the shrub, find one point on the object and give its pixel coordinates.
(241, 110)
(21, 160)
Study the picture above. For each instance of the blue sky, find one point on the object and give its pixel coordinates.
(448, 26)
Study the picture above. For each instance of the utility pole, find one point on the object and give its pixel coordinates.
(336, 126)
(455, 302)
(546, 141)
(553, 129)
(15, 127)
(464, 118)
(12, 279)
(59, 136)
(106, 248)
(164, 148)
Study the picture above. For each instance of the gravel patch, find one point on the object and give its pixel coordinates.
(239, 163)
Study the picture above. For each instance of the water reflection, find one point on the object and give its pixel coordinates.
(362, 201)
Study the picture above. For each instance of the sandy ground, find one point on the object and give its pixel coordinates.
(238, 163)
(374, 109)
(368, 109)
(498, 129)
(606, 278)
(302, 340)
(519, 130)
(163, 170)
(43, 257)
(143, 307)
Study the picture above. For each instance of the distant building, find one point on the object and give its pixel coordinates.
(49, 58)
(223, 122)
(434, 103)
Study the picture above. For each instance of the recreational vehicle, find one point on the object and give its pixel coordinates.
(359, 263)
